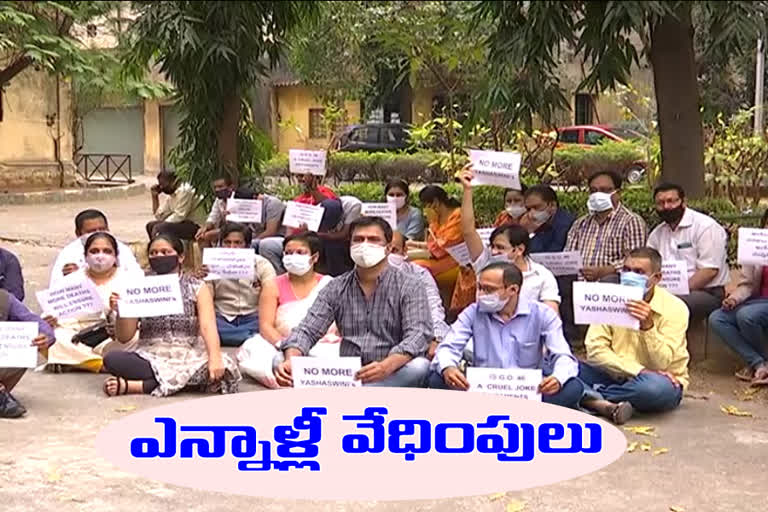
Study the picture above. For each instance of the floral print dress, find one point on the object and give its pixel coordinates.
(177, 353)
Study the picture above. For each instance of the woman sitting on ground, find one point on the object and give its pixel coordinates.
(284, 303)
(236, 301)
(743, 318)
(173, 352)
(409, 219)
(103, 270)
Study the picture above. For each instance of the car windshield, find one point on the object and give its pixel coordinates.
(625, 133)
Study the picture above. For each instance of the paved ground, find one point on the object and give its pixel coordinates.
(715, 462)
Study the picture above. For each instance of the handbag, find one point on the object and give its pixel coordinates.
(93, 335)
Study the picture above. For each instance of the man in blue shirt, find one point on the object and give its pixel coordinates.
(11, 310)
(546, 221)
(509, 333)
(11, 278)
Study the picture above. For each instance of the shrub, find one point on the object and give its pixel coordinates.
(574, 163)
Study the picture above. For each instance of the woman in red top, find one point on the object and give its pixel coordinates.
(514, 207)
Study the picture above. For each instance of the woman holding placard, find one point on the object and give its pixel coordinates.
(284, 303)
(84, 340)
(410, 222)
(173, 352)
(742, 320)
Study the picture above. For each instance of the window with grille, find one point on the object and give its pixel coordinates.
(317, 124)
(584, 108)
(91, 30)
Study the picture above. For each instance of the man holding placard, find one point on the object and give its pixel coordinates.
(267, 231)
(22, 335)
(646, 368)
(509, 332)
(698, 239)
(381, 312)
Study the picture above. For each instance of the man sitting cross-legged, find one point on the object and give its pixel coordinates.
(382, 314)
(645, 369)
(509, 332)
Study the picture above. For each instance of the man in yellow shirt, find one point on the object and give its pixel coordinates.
(645, 369)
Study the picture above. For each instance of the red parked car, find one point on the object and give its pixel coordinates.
(590, 135)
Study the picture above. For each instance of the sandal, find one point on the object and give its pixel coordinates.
(746, 374)
(622, 413)
(122, 386)
(761, 375)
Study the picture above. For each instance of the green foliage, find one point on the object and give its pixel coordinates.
(575, 163)
(736, 160)
(212, 52)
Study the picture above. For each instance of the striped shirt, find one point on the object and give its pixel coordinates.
(607, 243)
(395, 320)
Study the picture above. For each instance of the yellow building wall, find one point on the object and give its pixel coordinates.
(27, 156)
(421, 107)
(293, 104)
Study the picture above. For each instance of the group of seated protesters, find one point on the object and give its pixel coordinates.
(396, 312)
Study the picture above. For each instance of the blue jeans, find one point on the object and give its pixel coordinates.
(412, 374)
(647, 392)
(569, 395)
(743, 330)
(234, 333)
(271, 248)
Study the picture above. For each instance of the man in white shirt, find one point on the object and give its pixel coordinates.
(397, 259)
(690, 236)
(72, 257)
(181, 214)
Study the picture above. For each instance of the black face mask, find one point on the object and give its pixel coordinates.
(671, 216)
(164, 264)
(223, 194)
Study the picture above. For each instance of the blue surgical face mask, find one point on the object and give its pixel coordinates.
(634, 279)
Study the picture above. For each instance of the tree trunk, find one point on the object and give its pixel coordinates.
(227, 136)
(677, 97)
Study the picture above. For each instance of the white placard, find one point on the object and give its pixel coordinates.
(560, 263)
(460, 253)
(674, 277)
(244, 210)
(297, 214)
(387, 211)
(71, 298)
(514, 382)
(304, 161)
(314, 372)
(485, 235)
(16, 349)
(151, 296)
(604, 303)
(495, 168)
(753, 246)
(229, 263)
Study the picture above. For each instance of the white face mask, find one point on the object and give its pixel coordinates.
(297, 264)
(490, 303)
(599, 202)
(515, 211)
(396, 260)
(398, 200)
(367, 255)
(540, 216)
(100, 262)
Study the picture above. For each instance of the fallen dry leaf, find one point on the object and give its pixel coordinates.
(515, 506)
(53, 475)
(672, 508)
(696, 397)
(732, 410)
(645, 447)
(498, 496)
(643, 430)
(632, 447)
(661, 451)
(126, 408)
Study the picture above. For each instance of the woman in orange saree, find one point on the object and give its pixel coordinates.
(443, 214)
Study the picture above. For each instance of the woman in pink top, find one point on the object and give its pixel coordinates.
(283, 304)
(743, 319)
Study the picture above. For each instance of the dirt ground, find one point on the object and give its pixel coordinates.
(715, 462)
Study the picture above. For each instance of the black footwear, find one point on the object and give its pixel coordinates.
(9, 407)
